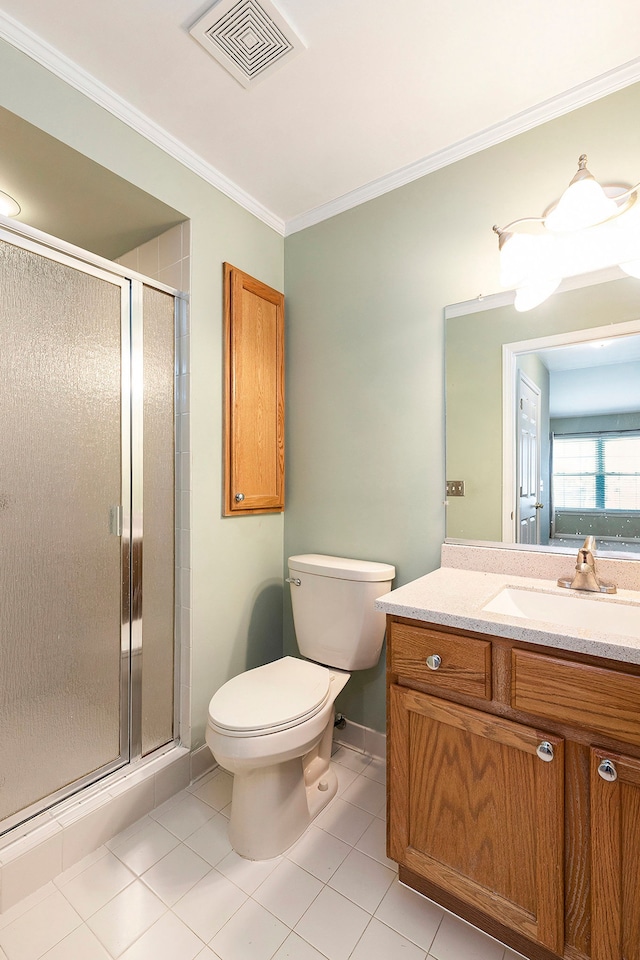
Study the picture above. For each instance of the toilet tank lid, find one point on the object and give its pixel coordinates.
(341, 567)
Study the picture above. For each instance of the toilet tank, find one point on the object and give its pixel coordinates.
(334, 615)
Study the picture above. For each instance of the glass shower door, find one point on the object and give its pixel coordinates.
(63, 605)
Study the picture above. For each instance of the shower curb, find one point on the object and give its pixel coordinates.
(34, 853)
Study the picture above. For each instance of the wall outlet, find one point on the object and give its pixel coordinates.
(455, 488)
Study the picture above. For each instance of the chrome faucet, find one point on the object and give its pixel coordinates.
(585, 577)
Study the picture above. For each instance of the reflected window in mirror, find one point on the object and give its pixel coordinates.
(595, 486)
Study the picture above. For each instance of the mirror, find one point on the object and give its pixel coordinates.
(543, 417)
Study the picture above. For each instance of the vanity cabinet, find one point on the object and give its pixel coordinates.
(514, 795)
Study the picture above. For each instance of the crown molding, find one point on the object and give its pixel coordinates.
(60, 65)
(64, 68)
(578, 96)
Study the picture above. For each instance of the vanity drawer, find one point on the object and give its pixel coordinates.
(602, 700)
(465, 663)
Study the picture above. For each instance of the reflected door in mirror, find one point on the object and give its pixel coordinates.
(528, 460)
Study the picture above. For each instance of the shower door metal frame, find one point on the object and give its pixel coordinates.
(127, 518)
(136, 522)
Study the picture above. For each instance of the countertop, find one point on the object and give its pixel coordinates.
(455, 598)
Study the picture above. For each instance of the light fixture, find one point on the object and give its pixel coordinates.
(589, 228)
(8, 206)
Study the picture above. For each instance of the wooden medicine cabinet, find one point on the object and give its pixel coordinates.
(254, 396)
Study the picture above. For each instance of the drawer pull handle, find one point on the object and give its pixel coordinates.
(545, 751)
(608, 771)
(434, 661)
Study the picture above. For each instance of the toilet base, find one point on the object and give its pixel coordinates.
(272, 806)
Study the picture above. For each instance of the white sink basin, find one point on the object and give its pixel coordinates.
(584, 610)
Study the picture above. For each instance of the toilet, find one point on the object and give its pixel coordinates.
(272, 727)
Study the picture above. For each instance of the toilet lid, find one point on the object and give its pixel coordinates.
(275, 696)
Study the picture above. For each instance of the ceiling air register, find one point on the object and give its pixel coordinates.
(249, 39)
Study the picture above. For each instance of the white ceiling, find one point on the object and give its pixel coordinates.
(592, 353)
(612, 389)
(383, 92)
(594, 377)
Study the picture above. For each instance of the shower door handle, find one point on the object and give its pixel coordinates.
(116, 520)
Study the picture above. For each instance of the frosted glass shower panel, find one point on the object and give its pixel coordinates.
(60, 566)
(158, 567)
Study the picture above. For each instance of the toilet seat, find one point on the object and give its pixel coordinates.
(267, 699)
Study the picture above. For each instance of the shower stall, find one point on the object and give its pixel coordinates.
(87, 495)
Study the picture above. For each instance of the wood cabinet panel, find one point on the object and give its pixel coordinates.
(602, 700)
(465, 666)
(254, 395)
(545, 856)
(577, 861)
(474, 810)
(615, 859)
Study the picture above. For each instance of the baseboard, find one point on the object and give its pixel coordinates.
(201, 762)
(364, 739)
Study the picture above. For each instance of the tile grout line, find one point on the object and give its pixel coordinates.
(170, 908)
(402, 930)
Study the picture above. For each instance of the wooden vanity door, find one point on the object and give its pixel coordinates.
(615, 858)
(476, 812)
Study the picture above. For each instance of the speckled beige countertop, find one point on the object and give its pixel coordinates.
(455, 597)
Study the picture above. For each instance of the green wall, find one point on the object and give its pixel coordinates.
(365, 368)
(365, 371)
(236, 604)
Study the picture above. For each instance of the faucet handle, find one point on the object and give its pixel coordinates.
(586, 560)
(586, 556)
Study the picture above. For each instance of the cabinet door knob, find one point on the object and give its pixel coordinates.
(239, 497)
(434, 661)
(545, 751)
(608, 771)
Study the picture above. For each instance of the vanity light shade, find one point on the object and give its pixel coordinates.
(8, 206)
(515, 255)
(531, 295)
(523, 257)
(590, 228)
(583, 204)
(632, 268)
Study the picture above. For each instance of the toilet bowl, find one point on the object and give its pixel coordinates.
(272, 726)
(278, 748)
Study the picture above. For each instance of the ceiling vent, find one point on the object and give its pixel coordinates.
(249, 39)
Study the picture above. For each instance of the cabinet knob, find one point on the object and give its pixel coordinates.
(239, 497)
(434, 661)
(608, 771)
(545, 751)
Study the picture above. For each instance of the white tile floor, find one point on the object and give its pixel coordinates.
(171, 888)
